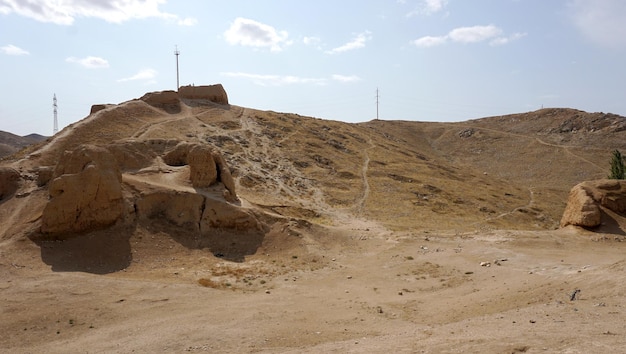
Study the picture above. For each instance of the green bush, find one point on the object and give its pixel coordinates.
(617, 166)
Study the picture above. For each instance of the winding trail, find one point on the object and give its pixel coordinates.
(366, 185)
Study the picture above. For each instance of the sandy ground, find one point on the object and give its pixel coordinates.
(353, 289)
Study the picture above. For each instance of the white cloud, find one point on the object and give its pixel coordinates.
(429, 41)
(283, 80)
(427, 7)
(89, 62)
(346, 79)
(601, 21)
(275, 80)
(144, 74)
(474, 34)
(13, 50)
(251, 33)
(64, 12)
(506, 40)
(357, 42)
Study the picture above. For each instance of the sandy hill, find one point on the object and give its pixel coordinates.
(330, 236)
(11, 143)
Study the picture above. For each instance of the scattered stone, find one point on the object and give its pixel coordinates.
(485, 264)
(573, 295)
(349, 277)
(267, 291)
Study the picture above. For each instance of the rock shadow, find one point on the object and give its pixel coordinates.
(99, 252)
(609, 223)
(231, 245)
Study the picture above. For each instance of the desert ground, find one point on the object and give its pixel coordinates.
(376, 237)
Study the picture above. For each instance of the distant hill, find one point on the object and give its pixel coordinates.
(11, 143)
(507, 172)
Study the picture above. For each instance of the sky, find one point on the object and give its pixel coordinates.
(347, 60)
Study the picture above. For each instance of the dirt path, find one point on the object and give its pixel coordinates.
(360, 204)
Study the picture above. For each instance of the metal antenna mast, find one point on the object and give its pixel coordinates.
(377, 96)
(177, 53)
(55, 129)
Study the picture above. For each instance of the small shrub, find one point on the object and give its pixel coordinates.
(617, 166)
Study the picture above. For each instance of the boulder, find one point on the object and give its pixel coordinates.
(586, 200)
(85, 193)
(178, 155)
(581, 209)
(44, 175)
(213, 93)
(207, 166)
(9, 182)
(202, 167)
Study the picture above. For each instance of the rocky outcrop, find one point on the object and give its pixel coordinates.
(86, 189)
(207, 166)
(9, 182)
(203, 169)
(166, 100)
(213, 93)
(586, 200)
(98, 107)
(85, 193)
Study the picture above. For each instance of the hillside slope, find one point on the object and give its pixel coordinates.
(11, 143)
(184, 223)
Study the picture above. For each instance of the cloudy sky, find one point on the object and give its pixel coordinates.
(431, 60)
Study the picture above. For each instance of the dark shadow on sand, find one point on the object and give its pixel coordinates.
(99, 252)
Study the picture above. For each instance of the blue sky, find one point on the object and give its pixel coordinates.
(431, 60)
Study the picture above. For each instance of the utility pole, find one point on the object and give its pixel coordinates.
(55, 128)
(377, 96)
(177, 53)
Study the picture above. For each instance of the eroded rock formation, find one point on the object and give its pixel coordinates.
(85, 192)
(88, 191)
(586, 200)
